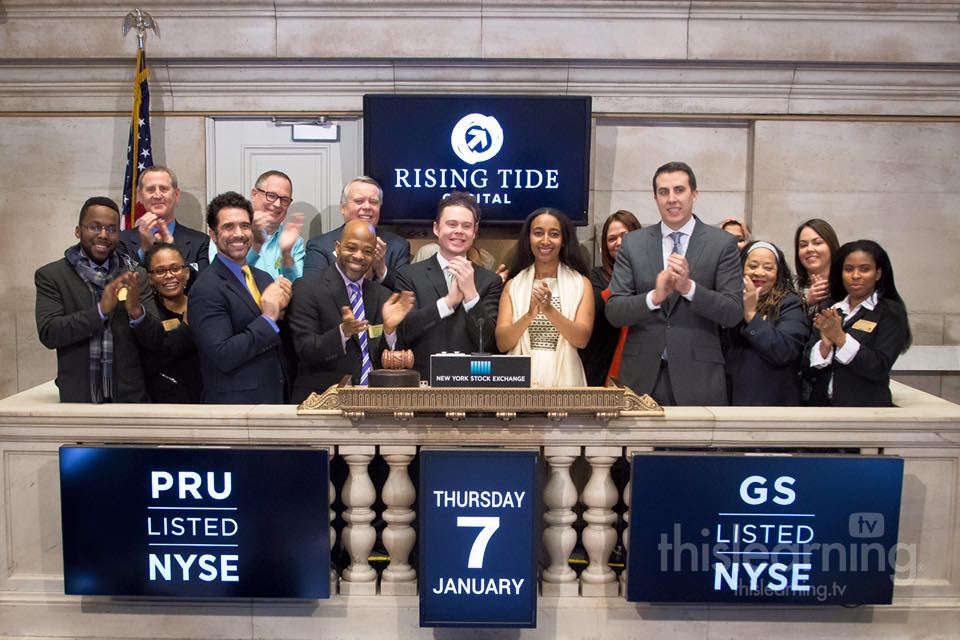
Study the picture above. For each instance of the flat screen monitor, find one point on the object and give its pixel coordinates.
(514, 154)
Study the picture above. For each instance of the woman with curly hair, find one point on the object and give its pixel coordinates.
(546, 310)
(764, 351)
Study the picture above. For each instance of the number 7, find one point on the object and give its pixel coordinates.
(488, 526)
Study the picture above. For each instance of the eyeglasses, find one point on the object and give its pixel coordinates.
(163, 271)
(95, 229)
(273, 197)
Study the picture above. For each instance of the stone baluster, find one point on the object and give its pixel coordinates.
(627, 495)
(600, 536)
(332, 497)
(359, 536)
(399, 578)
(559, 538)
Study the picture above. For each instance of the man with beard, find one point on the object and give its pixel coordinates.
(342, 322)
(234, 309)
(89, 309)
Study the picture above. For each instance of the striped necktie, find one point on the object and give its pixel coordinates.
(675, 236)
(251, 284)
(356, 305)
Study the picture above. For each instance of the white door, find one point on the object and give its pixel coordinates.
(240, 149)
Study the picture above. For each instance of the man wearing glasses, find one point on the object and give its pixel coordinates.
(277, 246)
(158, 192)
(90, 308)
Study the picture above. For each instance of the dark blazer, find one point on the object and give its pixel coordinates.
(865, 381)
(689, 330)
(172, 370)
(314, 318)
(764, 357)
(239, 351)
(319, 254)
(598, 354)
(67, 317)
(193, 244)
(426, 333)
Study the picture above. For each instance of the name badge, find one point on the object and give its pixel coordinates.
(375, 330)
(170, 324)
(867, 326)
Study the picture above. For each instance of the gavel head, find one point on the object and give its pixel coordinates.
(400, 359)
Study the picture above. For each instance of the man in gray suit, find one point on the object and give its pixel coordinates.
(675, 284)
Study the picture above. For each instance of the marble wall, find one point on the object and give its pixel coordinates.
(785, 110)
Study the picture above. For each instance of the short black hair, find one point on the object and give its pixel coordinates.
(155, 249)
(101, 201)
(227, 200)
(673, 167)
(459, 199)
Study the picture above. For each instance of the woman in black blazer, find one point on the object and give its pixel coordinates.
(856, 341)
(171, 370)
(763, 354)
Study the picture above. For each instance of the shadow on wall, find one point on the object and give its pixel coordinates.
(191, 211)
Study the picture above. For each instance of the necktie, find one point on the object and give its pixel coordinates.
(356, 304)
(448, 277)
(251, 285)
(675, 236)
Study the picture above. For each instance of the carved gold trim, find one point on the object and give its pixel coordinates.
(355, 402)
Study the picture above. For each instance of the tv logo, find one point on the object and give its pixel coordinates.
(866, 525)
(476, 138)
(480, 367)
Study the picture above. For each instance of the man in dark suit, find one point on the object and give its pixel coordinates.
(675, 285)
(234, 309)
(159, 194)
(330, 329)
(89, 308)
(360, 200)
(461, 315)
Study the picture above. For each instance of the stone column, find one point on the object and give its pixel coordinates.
(559, 538)
(399, 578)
(332, 497)
(599, 536)
(359, 536)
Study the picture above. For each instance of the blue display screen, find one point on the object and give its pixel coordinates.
(478, 513)
(797, 530)
(514, 154)
(195, 523)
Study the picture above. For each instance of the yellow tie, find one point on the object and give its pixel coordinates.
(251, 284)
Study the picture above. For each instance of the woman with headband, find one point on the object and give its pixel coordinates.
(764, 351)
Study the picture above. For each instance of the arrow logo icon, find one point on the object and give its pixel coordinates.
(476, 138)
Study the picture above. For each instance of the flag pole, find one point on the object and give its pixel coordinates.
(141, 21)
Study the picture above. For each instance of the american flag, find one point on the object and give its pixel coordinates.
(139, 151)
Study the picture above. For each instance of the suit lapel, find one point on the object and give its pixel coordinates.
(239, 289)
(435, 276)
(335, 283)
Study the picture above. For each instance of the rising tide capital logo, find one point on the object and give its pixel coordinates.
(476, 138)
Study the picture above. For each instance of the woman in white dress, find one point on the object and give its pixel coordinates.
(546, 310)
